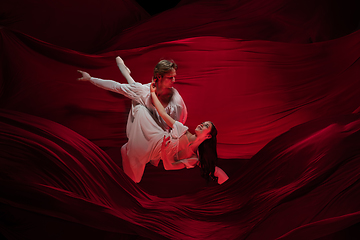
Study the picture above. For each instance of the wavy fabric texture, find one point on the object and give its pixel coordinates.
(300, 184)
(262, 88)
(79, 25)
(280, 81)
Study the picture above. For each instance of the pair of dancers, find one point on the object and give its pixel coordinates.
(155, 126)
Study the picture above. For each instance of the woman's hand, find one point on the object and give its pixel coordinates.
(85, 76)
(120, 62)
(152, 87)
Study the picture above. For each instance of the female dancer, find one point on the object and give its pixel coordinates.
(183, 149)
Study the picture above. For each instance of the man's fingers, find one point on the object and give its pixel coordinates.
(166, 141)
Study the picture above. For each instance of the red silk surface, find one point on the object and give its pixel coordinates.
(302, 185)
(282, 21)
(80, 25)
(252, 90)
(277, 99)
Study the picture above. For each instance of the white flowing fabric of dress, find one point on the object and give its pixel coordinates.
(145, 128)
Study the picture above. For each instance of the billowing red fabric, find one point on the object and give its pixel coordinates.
(76, 24)
(279, 79)
(278, 20)
(304, 180)
(252, 90)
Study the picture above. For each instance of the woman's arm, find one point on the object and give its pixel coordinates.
(160, 108)
(124, 70)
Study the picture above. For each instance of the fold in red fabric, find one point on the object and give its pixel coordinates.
(252, 90)
(281, 21)
(279, 79)
(80, 25)
(302, 181)
(102, 26)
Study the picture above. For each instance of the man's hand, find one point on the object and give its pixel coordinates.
(85, 76)
(165, 143)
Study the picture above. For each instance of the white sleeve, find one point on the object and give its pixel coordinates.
(179, 113)
(177, 109)
(133, 91)
(178, 130)
(222, 176)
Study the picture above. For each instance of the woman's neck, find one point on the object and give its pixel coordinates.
(194, 141)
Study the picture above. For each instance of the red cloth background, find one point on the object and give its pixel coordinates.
(279, 79)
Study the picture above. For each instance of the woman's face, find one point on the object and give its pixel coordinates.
(203, 129)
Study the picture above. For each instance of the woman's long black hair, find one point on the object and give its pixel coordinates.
(208, 155)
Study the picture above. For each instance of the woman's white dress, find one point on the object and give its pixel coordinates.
(145, 142)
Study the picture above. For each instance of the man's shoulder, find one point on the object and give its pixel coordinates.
(176, 99)
(176, 93)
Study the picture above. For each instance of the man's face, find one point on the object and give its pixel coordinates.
(167, 81)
